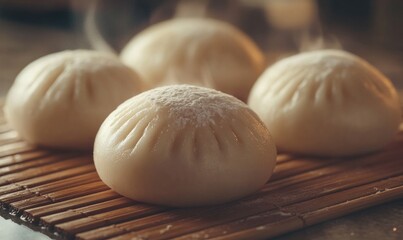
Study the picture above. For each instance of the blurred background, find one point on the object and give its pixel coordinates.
(371, 29)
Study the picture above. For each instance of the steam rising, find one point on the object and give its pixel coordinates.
(308, 42)
(194, 8)
(92, 33)
(297, 19)
(300, 19)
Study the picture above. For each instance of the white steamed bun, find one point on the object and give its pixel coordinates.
(202, 52)
(327, 103)
(60, 100)
(184, 145)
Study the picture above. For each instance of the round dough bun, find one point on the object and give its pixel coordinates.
(201, 52)
(182, 146)
(61, 100)
(327, 103)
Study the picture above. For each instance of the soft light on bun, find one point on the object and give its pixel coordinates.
(60, 100)
(327, 103)
(202, 52)
(184, 145)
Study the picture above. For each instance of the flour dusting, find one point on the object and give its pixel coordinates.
(194, 105)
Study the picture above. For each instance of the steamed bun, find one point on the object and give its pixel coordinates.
(60, 100)
(202, 52)
(184, 145)
(327, 103)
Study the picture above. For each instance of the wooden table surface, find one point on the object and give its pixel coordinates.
(20, 43)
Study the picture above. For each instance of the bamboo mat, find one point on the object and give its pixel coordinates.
(60, 194)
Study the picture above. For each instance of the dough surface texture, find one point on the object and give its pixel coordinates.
(61, 100)
(201, 52)
(327, 103)
(184, 145)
